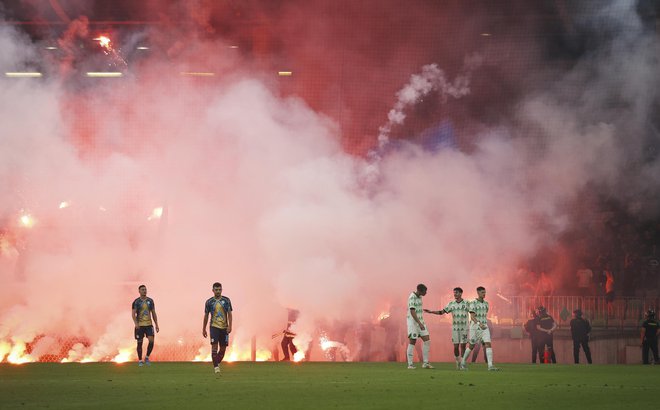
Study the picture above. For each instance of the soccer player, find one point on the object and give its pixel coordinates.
(417, 328)
(459, 325)
(478, 329)
(219, 307)
(142, 311)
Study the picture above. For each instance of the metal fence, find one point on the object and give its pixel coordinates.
(622, 312)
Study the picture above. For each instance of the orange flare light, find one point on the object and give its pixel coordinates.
(123, 356)
(5, 348)
(299, 356)
(104, 42)
(19, 355)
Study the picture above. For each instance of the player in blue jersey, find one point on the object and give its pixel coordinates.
(219, 307)
(143, 310)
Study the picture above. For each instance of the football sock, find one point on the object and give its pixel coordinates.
(489, 356)
(150, 347)
(214, 355)
(425, 351)
(411, 354)
(221, 353)
(466, 355)
(139, 349)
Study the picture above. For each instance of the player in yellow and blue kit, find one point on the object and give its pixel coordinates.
(219, 307)
(142, 311)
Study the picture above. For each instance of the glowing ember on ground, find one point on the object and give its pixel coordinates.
(123, 356)
(5, 348)
(299, 356)
(231, 357)
(18, 354)
(263, 355)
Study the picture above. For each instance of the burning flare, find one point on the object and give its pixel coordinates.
(123, 356)
(104, 42)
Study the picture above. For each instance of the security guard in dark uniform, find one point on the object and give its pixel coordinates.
(650, 337)
(534, 336)
(546, 326)
(580, 329)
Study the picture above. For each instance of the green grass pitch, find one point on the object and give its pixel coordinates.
(326, 385)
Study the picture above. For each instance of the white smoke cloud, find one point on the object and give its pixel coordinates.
(431, 79)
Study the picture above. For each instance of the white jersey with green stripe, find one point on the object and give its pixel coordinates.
(480, 310)
(415, 302)
(459, 312)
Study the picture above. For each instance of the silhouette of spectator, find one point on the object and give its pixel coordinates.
(585, 281)
(580, 329)
(288, 335)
